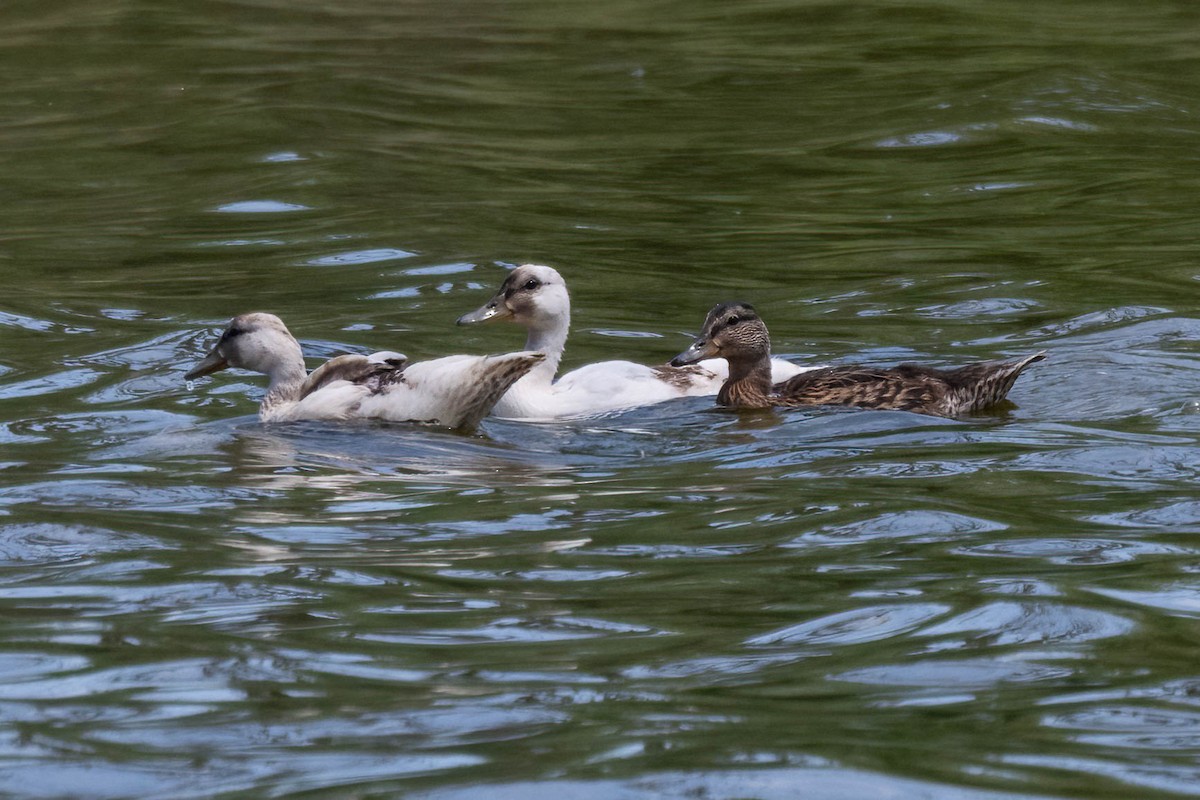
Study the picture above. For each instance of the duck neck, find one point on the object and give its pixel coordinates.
(550, 339)
(287, 382)
(749, 384)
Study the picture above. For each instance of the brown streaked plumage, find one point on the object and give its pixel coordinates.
(735, 332)
(377, 370)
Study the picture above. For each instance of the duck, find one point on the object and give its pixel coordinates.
(734, 331)
(454, 391)
(535, 297)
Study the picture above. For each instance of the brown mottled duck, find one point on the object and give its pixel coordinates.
(734, 331)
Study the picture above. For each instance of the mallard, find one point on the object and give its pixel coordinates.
(536, 297)
(735, 332)
(455, 391)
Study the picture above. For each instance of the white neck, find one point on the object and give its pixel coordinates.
(551, 339)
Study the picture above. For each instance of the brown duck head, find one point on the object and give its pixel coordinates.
(732, 331)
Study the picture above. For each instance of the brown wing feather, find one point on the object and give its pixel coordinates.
(904, 387)
(907, 387)
(502, 372)
(683, 377)
(355, 369)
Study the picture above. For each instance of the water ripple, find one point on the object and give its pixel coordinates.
(1182, 515)
(854, 627)
(820, 783)
(45, 543)
(353, 257)
(260, 207)
(1133, 727)
(1078, 552)
(50, 384)
(959, 675)
(1179, 779)
(1175, 598)
(516, 630)
(114, 494)
(917, 526)
(1011, 623)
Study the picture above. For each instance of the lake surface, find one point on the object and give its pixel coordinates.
(670, 602)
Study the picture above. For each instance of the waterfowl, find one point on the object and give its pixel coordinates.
(735, 332)
(536, 297)
(455, 391)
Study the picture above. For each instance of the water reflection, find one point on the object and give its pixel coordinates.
(769, 784)
(670, 602)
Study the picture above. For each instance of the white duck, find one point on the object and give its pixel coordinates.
(536, 297)
(455, 391)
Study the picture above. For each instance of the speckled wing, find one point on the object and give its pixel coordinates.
(454, 391)
(902, 388)
(907, 387)
(376, 370)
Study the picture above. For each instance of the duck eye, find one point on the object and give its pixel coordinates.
(531, 284)
(732, 321)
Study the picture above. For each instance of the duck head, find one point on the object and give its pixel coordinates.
(732, 331)
(258, 342)
(532, 295)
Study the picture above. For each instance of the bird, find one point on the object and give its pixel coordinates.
(454, 391)
(734, 331)
(535, 297)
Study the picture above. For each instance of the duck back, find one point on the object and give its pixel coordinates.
(907, 387)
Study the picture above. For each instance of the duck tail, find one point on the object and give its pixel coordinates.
(981, 385)
(497, 375)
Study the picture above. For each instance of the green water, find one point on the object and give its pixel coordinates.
(670, 602)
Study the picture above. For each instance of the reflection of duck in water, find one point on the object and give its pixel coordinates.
(735, 332)
(455, 391)
(536, 297)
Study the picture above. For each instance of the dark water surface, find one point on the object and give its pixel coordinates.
(671, 602)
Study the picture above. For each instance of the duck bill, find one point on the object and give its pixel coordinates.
(213, 362)
(493, 309)
(700, 350)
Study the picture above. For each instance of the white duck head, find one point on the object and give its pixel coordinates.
(259, 342)
(532, 295)
(536, 298)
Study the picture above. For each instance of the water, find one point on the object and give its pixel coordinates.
(670, 602)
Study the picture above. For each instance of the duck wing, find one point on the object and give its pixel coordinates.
(455, 391)
(907, 387)
(375, 371)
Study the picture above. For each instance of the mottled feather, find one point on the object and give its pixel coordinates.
(368, 370)
(683, 378)
(907, 387)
